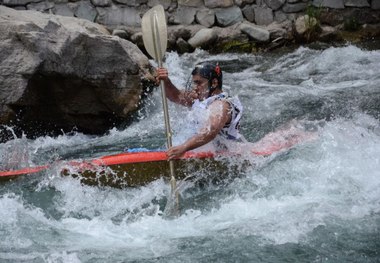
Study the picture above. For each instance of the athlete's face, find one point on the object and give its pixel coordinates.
(199, 87)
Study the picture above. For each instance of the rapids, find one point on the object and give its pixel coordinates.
(318, 202)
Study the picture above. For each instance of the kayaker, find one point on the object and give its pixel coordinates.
(204, 92)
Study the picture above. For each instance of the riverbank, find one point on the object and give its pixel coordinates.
(228, 26)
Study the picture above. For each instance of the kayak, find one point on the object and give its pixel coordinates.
(130, 168)
(141, 166)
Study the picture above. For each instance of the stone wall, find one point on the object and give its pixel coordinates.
(202, 23)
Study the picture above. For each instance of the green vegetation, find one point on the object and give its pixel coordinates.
(312, 21)
(236, 46)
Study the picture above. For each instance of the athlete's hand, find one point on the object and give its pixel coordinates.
(176, 152)
(161, 74)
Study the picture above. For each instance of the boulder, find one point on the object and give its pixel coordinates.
(255, 32)
(294, 8)
(218, 3)
(57, 73)
(249, 13)
(337, 4)
(356, 3)
(115, 16)
(203, 37)
(191, 3)
(304, 24)
(263, 15)
(184, 15)
(229, 16)
(274, 4)
(205, 17)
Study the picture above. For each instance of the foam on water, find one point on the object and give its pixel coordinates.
(333, 180)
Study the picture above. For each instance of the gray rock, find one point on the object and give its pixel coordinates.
(328, 34)
(190, 3)
(205, 17)
(337, 4)
(231, 33)
(294, 8)
(181, 31)
(279, 16)
(255, 32)
(275, 4)
(184, 15)
(277, 31)
(182, 46)
(101, 3)
(304, 23)
(228, 16)
(249, 13)
(132, 3)
(203, 37)
(263, 15)
(19, 2)
(44, 6)
(218, 3)
(356, 3)
(63, 9)
(120, 33)
(86, 10)
(65, 72)
(114, 16)
(165, 3)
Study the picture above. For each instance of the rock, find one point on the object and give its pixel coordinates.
(277, 31)
(338, 4)
(263, 15)
(255, 32)
(182, 46)
(218, 3)
(274, 4)
(231, 33)
(120, 33)
(19, 2)
(184, 15)
(356, 3)
(114, 16)
(205, 17)
(228, 16)
(191, 3)
(63, 9)
(279, 16)
(86, 10)
(294, 8)
(165, 3)
(249, 13)
(57, 73)
(203, 37)
(101, 3)
(41, 6)
(304, 24)
(328, 34)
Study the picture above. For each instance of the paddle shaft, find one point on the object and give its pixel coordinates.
(159, 55)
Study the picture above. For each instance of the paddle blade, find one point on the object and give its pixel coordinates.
(155, 34)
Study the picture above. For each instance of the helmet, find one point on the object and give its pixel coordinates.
(209, 71)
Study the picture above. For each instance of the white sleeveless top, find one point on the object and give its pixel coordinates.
(231, 130)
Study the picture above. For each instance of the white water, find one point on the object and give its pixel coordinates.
(322, 192)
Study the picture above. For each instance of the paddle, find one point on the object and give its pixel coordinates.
(155, 38)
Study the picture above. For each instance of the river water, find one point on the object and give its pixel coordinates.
(318, 202)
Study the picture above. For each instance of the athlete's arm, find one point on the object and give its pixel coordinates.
(172, 93)
(220, 114)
